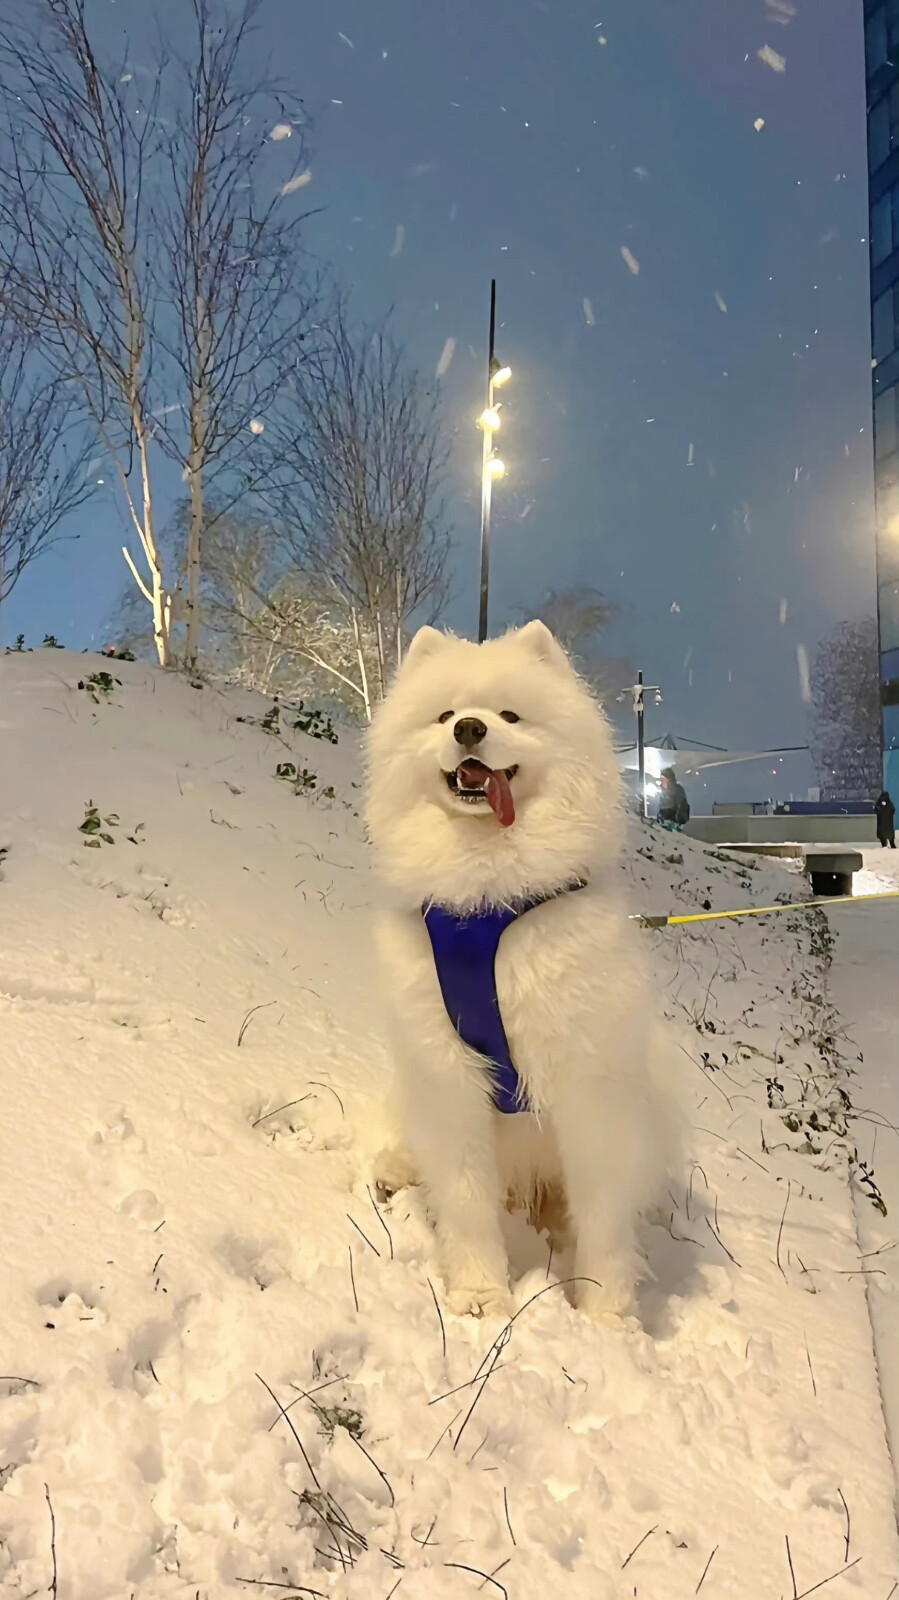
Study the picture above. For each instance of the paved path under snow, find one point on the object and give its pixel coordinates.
(865, 987)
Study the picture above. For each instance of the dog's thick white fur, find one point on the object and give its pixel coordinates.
(570, 985)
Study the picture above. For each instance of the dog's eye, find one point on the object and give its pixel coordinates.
(445, 716)
(510, 716)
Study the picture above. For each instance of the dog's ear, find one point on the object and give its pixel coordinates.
(537, 638)
(426, 643)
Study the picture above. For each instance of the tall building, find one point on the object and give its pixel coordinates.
(882, 78)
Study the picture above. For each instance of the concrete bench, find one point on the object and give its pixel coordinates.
(831, 871)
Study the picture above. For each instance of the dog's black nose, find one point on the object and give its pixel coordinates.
(469, 731)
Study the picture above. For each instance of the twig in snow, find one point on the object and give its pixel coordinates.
(831, 1578)
(366, 1238)
(10, 1377)
(289, 1421)
(848, 1523)
(508, 1518)
(375, 1209)
(704, 1571)
(382, 1475)
(54, 1579)
(781, 1229)
(316, 1082)
(274, 1583)
(550, 1261)
(498, 1348)
(715, 1235)
(812, 1374)
(792, 1573)
(501, 1338)
(427, 1536)
(394, 1589)
(439, 1314)
(468, 1384)
(286, 1107)
(452, 1422)
(646, 1536)
(479, 1574)
(253, 1009)
(353, 1275)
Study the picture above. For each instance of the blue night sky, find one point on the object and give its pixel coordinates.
(693, 438)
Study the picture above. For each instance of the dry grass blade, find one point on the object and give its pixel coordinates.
(276, 1583)
(811, 1370)
(353, 1276)
(833, 1575)
(705, 1571)
(286, 1107)
(377, 1212)
(848, 1524)
(365, 1237)
(648, 1534)
(487, 1577)
(373, 1463)
(789, 1555)
(439, 1314)
(497, 1351)
(289, 1421)
(781, 1229)
(263, 1006)
(508, 1518)
(52, 1587)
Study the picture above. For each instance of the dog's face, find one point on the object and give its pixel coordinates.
(491, 770)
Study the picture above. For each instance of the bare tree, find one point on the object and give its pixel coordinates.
(845, 692)
(230, 240)
(578, 617)
(354, 459)
(75, 248)
(43, 453)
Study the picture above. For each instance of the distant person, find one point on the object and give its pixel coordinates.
(674, 807)
(885, 812)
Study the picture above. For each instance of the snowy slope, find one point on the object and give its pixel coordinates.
(188, 1226)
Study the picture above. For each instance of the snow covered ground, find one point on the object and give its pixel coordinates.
(191, 1075)
(865, 988)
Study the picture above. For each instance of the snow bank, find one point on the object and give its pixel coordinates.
(191, 1081)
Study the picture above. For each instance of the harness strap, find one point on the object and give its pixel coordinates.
(465, 947)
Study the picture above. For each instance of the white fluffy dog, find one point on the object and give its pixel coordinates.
(494, 798)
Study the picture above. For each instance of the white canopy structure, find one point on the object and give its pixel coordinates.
(685, 762)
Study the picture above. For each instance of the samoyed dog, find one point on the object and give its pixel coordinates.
(518, 1010)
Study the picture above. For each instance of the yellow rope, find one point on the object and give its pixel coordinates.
(764, 911)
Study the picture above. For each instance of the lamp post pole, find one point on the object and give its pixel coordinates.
(639, 690)
(486, 479)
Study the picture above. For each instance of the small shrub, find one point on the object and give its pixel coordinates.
(93, 825)
(118, 655)
(301, 780)
(51, 642)
(18, 648)
(100, 686)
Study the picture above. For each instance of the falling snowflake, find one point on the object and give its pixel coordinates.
(588, 312)
(631, 262)
(690, 456)
(126, 77)
(780, 11)
(782, 613)
(257, 425)
(346, 40)
(281, 130)
(675, 609)
(777, 63)
(758, 124)
(299, 182)
(642, 173)
(446, 356)
(399, 239)
(802, 663)
(719, 301)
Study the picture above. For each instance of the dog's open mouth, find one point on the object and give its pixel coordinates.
(477, 784)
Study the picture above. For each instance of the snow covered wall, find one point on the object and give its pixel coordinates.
(226, 1365)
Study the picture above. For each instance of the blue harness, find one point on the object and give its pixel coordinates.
(465, 947)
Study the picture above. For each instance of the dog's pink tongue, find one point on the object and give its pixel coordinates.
(475, 775)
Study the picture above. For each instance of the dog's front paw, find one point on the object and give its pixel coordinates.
(482, 1301)
(393, 1171)
(610, 1302)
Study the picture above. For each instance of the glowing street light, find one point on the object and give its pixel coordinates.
(492, 468)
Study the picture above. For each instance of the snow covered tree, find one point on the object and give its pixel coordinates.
(845, 693)
(354, 459)
(229, 229)
(578, 617)
(43, 451)
(74, 246)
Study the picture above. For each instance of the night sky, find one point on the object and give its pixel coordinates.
(688, 429)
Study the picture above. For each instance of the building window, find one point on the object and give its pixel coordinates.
(891, 727)
(889, 616)
(884, 226)
(886, 424)
(883, 325)
(883, 128)
(876, 52)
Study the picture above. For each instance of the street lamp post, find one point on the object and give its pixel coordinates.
(639, 690)
(492, 468)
